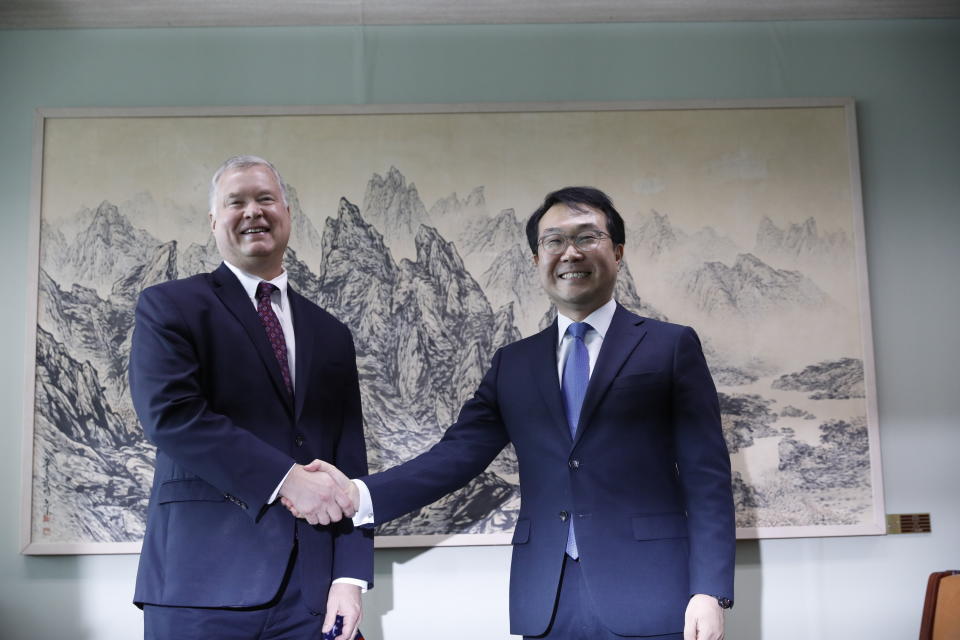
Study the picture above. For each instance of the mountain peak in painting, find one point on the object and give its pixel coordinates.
(750, 288)
(393, 205)
(801, 241)
(108, 247)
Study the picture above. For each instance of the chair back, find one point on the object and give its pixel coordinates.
(941, 607)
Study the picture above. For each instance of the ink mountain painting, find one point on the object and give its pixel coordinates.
(431, 288)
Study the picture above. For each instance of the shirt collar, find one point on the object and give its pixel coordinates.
(250, 282)
(599, 320)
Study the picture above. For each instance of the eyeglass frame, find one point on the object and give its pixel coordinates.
(572, 240)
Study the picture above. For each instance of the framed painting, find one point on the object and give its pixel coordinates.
(744, 220)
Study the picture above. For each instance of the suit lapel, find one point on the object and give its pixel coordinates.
(305, 338)
(235, 299)
(625, 333)
(544, 363)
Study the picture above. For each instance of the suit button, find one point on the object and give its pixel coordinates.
(563, 516)
(574, 464)
(298, 440)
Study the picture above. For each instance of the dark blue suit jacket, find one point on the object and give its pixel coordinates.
(208, 391)
(646, 479)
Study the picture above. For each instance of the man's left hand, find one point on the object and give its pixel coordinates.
(703, 619)
(343, 600)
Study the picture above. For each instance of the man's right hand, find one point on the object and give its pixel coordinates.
(319, 493)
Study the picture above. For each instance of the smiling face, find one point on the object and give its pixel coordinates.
(577, 282)
(251, 223)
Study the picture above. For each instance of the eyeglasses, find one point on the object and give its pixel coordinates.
(557, 243)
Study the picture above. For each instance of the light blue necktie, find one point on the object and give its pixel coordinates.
(576, 375)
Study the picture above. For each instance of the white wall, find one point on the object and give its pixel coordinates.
(904, 75)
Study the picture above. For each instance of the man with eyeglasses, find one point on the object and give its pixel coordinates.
(626, 525)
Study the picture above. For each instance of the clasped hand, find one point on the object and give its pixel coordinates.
(319, 493)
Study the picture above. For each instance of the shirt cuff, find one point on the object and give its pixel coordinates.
(364, 515)
(276, 492)
(357, 583)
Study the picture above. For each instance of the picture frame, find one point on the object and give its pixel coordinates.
(744, 220)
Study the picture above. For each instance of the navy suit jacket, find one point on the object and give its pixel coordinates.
(207, 388)
(646, 479)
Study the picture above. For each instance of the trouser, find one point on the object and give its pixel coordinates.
(574, 614)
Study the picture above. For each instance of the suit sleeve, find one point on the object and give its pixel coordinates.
(170, 403)
(464, 451)
(703, 463)
(353, 546)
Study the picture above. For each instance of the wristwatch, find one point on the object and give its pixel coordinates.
(725, 603)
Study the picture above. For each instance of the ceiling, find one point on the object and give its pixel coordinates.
(45, 14)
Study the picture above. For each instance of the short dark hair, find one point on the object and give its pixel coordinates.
(573, 196)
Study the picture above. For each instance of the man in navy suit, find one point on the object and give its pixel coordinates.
(240, 383)
(626, 525)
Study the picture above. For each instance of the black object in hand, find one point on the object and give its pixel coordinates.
(337, 629)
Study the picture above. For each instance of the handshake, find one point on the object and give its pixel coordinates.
(319, 493)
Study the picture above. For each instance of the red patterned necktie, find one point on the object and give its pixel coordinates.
(274, 330)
